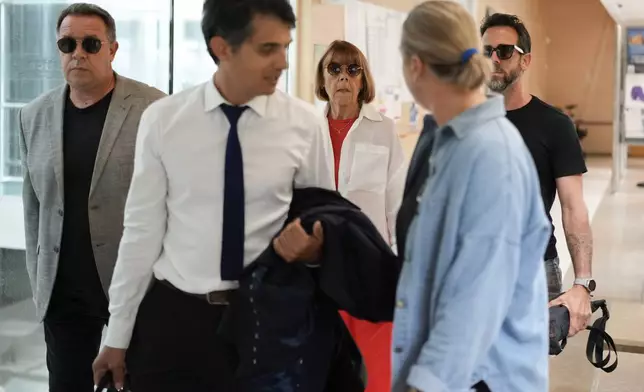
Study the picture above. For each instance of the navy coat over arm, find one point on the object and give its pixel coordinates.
(284, 318)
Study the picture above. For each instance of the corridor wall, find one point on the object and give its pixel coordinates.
(573, 47)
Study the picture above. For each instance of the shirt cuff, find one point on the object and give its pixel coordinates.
(423, 379)
(119, 333)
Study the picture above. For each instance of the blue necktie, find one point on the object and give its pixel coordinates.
(232, 237)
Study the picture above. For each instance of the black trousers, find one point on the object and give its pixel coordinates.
(175, 346)
(72, 345)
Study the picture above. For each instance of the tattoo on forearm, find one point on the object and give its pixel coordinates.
(580, 246)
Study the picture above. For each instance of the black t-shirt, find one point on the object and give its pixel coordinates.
(78, 290)
(552, 139)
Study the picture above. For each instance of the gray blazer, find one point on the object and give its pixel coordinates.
(41, 143)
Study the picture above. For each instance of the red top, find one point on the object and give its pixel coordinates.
(338, 130)
(373, 339)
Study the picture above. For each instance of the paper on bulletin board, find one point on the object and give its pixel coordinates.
(634, 106)
(634, 123)
(355, 25)
(634, 90)
(635, 38)
(377, 31)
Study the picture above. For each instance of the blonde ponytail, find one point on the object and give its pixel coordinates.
(443, 34)
(474, 73)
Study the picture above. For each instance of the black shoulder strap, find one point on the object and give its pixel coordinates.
(416, 181)
(597, 338)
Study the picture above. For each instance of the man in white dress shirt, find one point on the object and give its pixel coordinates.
(214, 172)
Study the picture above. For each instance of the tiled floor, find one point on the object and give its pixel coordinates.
(618, 267)
(22, 350)
(619, 240)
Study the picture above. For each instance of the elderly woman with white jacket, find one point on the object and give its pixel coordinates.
(370, 169)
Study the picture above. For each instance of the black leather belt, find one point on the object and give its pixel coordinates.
(213, 298)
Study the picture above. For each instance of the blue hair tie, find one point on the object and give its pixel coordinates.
(467, 55)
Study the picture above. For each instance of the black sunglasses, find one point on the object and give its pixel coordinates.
(91, 45)
(335, 69)
(503, 51)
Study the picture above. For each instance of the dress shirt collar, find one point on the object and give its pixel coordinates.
(213, 99)
(367, 110)
(492, 108)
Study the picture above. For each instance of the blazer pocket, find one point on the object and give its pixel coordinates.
(369, 168)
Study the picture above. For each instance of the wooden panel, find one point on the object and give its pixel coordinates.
(328, 23)
(636, 151)
(582, 74)
(599, 139)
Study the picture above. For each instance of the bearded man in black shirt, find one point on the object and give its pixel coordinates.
(553, 142)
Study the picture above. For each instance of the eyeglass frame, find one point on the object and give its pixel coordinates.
(79, 42)
(345, 68)
(495, 49)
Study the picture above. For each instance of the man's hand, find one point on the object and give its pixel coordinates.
(294, 244)
(113, 360)
(577, 300)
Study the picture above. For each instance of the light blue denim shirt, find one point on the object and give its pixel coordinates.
(472, 296)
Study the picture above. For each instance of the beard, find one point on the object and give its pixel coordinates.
(508, 79)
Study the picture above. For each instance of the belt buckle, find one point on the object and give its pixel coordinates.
(212, 299)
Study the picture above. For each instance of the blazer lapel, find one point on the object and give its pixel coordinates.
(116, 114)
(55, 127)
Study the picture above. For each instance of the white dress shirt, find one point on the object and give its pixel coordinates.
(174, 209)
(372, 168)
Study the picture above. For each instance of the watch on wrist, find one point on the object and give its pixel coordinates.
(588, 283)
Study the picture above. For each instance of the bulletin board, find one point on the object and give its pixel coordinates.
(377, 32)
(633, 84)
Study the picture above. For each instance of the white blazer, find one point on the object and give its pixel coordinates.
(372, 168)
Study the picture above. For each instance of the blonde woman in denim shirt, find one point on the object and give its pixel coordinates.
(471, 312)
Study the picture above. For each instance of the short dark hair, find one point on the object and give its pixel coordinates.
(86, 9)
(513, 21)
(232, 19)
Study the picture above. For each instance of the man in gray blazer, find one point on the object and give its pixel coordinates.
(77, 145)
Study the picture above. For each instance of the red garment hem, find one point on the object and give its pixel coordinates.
(374, 342)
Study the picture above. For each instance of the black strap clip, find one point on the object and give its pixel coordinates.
(597, 337)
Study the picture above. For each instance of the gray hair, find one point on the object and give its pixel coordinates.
(87, 9)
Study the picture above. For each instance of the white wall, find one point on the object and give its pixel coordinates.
(12, 228)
